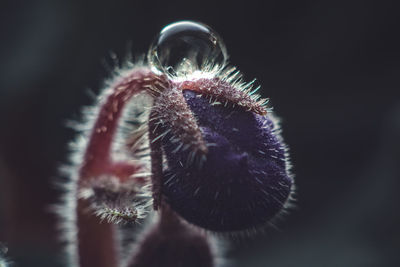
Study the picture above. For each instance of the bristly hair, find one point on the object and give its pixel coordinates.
(224, 84)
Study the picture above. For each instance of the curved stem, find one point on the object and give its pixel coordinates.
(96, 242)
(97, 159)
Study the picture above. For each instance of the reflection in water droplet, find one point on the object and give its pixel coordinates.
(184, 47)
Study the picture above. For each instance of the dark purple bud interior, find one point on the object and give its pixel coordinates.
(243, 181)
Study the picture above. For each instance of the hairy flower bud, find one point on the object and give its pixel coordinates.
(242, 182)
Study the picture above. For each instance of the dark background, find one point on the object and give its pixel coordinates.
(331, 70)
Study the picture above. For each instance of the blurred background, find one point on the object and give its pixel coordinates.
(331, 70)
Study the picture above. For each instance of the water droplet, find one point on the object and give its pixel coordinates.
(186, 46)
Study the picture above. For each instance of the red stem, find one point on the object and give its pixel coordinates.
(96, 240)
(97, 159)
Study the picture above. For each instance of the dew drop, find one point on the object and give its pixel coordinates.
(184, 47)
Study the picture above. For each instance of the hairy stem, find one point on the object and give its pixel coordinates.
(97, 159)
(96, 241)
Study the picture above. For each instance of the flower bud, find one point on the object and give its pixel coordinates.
(173, 243)
(241, 182)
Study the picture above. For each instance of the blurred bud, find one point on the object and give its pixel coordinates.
(173, 243)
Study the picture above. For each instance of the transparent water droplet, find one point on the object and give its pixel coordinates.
(186, 46)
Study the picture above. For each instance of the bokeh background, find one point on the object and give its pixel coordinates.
(331, 69)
